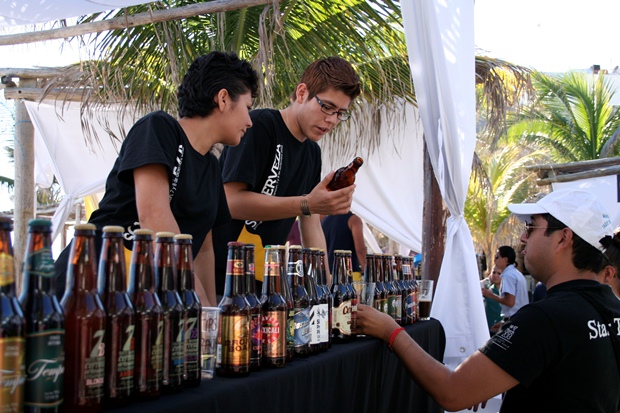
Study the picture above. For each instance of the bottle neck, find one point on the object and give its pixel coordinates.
(38, 274)
(112, 264)
(165, 272)
(185, 266)
(235, 274)
(250, 273)
(7, 264)
(142, 272)
(340, 265)
(83, 262)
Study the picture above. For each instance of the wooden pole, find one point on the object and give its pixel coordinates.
(24, 174)
(433, 224)
(125, 22)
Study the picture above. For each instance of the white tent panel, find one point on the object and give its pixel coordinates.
(22, 12)
(60, 148)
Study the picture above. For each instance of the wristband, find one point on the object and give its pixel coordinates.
(393, 337)
(305, 208)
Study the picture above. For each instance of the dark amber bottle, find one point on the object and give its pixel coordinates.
(149, 319)
(274, 310)
(12, 328)
(301, 301)
(341, 313)
(345, 176)
(191, 306)
(120, 324)
(256, 328)
(174, 316)
(85, 325)
(233, 344)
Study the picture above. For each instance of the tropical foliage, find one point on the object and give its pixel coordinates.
(571, 117)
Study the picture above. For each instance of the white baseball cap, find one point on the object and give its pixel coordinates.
(580, 211)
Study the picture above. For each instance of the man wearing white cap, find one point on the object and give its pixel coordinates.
(559, 354)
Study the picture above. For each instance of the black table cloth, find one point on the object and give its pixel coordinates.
(361, 376)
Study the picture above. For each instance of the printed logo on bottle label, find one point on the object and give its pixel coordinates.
(342, 317)
(274, 336)
(44, 368)
(235, 335)
(41, 263)
(12, 374)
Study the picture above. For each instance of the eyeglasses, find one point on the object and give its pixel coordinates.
(328, 110)
(529, 227)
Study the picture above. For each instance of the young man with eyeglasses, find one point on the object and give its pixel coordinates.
(513, 291)
(560, 354)
(274, 175)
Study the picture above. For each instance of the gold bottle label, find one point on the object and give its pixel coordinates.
(7, 269)
(235, 340)
(12, 374)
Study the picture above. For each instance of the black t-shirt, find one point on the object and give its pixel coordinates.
(273, 162)
(197, 198)
(560, 351)
(338, 236)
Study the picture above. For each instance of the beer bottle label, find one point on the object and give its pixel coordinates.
(157, 357)
(235, 345)
(45, 367)
(177, 352)
(274, 335)
(398, 307)
(7, 269)
(41, 263)
(409, 308)
(125, 361)
(390, 306)
(94, 368)
(302, 327)
(256, 329)
(192, 347)
(315, 323)
(323, 323)
(12, 374)
(290, 328)
(354, 316)
(342, 317)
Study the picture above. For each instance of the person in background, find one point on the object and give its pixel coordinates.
(611, 273)
(491, 307)
(346, 232)
(540, 292)
(556, 355)
(165, 178)
(513, 291)
(274, 175)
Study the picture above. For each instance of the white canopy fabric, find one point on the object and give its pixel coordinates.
(440, 40)
(17, 13)
(61, 151)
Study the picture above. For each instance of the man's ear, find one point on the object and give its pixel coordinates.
(301, 93)
(609, 272)
(222, 99)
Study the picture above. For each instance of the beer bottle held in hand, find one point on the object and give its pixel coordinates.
(174, 316)
(191, 306)
(12, 328)
(45, 323)
(149, 319)
(120, 323)
(85, 324)
(233, 343)
(274, 309)
(256, 328)
(341, 313)
(301, 301)
(345, 176)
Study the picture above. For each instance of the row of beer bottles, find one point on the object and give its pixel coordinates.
(105, 352)
(396, 291)
(291, 317)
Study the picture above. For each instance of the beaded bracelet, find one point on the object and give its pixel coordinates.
(393, 337)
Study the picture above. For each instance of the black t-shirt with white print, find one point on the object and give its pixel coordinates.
(560, 351)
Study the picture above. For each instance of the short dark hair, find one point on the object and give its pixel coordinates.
(506, 251)
(612, 252)
(209, 74)
(585, 256)
(331, 72)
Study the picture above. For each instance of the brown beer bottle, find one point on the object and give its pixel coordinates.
(341, 313)
(191, 306)
(313, 313)
(352, 292)
(45, 323)
(256, 328)
(325, 300)
(287, 293)
(274, 309)
(345, 176)
(233, 343)
(381, 292)
(301, 301)
(85, 324)
(12, 328)
(174, 316)
(149, 318)
(120, 324)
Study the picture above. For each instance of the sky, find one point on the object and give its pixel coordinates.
(546, 35)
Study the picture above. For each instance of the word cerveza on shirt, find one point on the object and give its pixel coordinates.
(599, 330)
(271, 184)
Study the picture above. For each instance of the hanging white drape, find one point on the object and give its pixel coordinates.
(440, 41)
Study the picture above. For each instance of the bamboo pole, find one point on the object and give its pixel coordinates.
(24, 172)
(134, 20)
